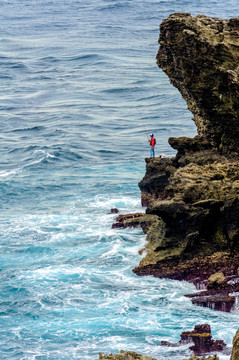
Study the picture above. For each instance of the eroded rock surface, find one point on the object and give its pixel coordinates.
(201, 338)
(200, 56)
(125, 355)
(235, 348)
(194, 196)
(210, 357)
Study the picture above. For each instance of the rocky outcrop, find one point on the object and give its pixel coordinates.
(201, 338)
(192, 200)
(235, 348)
(217, 280)
(210, 357)
(124, 355)
(200, 56)
(194, 197)
(134, 356)
(133, 220)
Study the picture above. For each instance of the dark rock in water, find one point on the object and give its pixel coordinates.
(202, 338)
(216, 302)
(219, 293)
(168, 343)
(114, 211)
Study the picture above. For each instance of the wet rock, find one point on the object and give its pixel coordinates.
(168, 343)
(124, 355)
(202, 339)
(216, 302)
(210, 357)
(134, 220)
(127, 220)
(114, 211)
(220, 293)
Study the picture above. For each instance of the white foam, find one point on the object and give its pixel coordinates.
(5, 173)
(123, 203)
(50, 272)
(113, 250)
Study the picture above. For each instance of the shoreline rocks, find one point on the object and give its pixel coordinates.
(125, 355)
(192, 200)
(201, 337)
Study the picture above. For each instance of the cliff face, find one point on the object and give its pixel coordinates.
(192, 215)
(235, 349)
(195, 196)
(200, 56)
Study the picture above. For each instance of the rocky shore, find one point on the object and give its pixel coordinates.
(201, 338)
(192, 200)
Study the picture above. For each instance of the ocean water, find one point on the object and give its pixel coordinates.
(79, 86)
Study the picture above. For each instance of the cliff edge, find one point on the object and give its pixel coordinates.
(200, 56)
(193, 198)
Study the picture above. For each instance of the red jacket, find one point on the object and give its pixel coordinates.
(152, 142)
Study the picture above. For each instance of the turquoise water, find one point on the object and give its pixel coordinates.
(78, 85)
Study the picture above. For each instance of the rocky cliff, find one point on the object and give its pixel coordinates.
(193, 198)
(200, 56)
(235, 348)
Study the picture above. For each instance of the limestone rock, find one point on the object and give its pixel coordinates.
(134, 220)
(124, 355)
(195, 195)
(216, 280)
(235, 348)
(200, 56)
(210, 357)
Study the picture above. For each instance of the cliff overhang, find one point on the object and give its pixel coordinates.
(194, 197)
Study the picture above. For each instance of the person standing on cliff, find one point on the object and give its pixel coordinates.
(152, 142)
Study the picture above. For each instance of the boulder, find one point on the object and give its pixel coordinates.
(216, 281)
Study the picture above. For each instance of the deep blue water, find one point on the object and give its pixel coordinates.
(79, 84)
